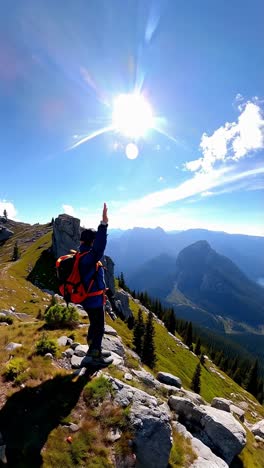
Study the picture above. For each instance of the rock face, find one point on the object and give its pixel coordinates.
(109, 273)
(218, 429)
(5, 234)
(150, 422)
(66, 235)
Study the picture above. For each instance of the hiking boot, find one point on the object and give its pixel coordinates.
(99, 361)
(96, 353)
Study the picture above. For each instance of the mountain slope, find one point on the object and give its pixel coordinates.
(216, 284)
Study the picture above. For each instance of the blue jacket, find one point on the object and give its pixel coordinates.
(87, 267)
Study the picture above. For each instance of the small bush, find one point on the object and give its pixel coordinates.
(14, 368)
(6, 319)
(97, 390)
(46, 345)
(59, 316)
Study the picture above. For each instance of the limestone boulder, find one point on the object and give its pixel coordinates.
(169, 379)
(221, 403)
(217, 429)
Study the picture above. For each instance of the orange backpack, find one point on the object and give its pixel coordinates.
(70, 284)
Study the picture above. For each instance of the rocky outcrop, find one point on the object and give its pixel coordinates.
(5, 234)
(228, 406)
(258, 429)
(122, 304)
(205, 457)
(217, 429)
(150, 422)
(66, 234)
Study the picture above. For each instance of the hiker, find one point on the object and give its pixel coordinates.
(94, 242)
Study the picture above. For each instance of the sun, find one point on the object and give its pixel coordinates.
(132, 115)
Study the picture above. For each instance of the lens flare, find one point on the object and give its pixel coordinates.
(132, 115)
(132, 151)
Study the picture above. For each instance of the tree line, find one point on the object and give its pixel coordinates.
(243, 370)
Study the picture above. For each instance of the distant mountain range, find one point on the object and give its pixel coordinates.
(205, 287)
(132, 248)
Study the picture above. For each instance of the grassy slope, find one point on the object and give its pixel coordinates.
(170, 357)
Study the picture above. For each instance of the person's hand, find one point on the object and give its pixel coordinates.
(105, 218)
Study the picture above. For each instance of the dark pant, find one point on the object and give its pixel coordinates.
(96, 328)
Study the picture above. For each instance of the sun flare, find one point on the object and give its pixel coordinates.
(132, 115)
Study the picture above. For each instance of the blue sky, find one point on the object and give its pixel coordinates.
(198, 65)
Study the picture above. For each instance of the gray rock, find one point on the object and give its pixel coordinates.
(62, 340)
(217, 429)
(122, 304)
(238, 412)
(68, 353)
(113, 344)
(5, 234)
(205, 457)
(221, 403)
(169, 379)
(75, 344)
(12, 346)
(48, 356)
(74, 427)
(150, 422)
(81, 350)
(147, 378)
(258, 429)
(76, 361)
(110, 331)
(66, 234)
(128, 376)
(194, 397)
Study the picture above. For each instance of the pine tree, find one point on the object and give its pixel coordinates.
(252, 380)
(138, 333)
(188, 338)
(5, 214)
(16, 253)
(170, 321)
(196, 380)
(122, 283)
(202, 359)
(148, 351)
(198, 347)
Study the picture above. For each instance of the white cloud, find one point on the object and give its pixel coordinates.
(232, 141)
(68, 209)
(9, 207)
(199, 183)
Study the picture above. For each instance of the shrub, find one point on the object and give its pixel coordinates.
(96, 391)
(46, 345)
(59, 316)
(14, 368)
